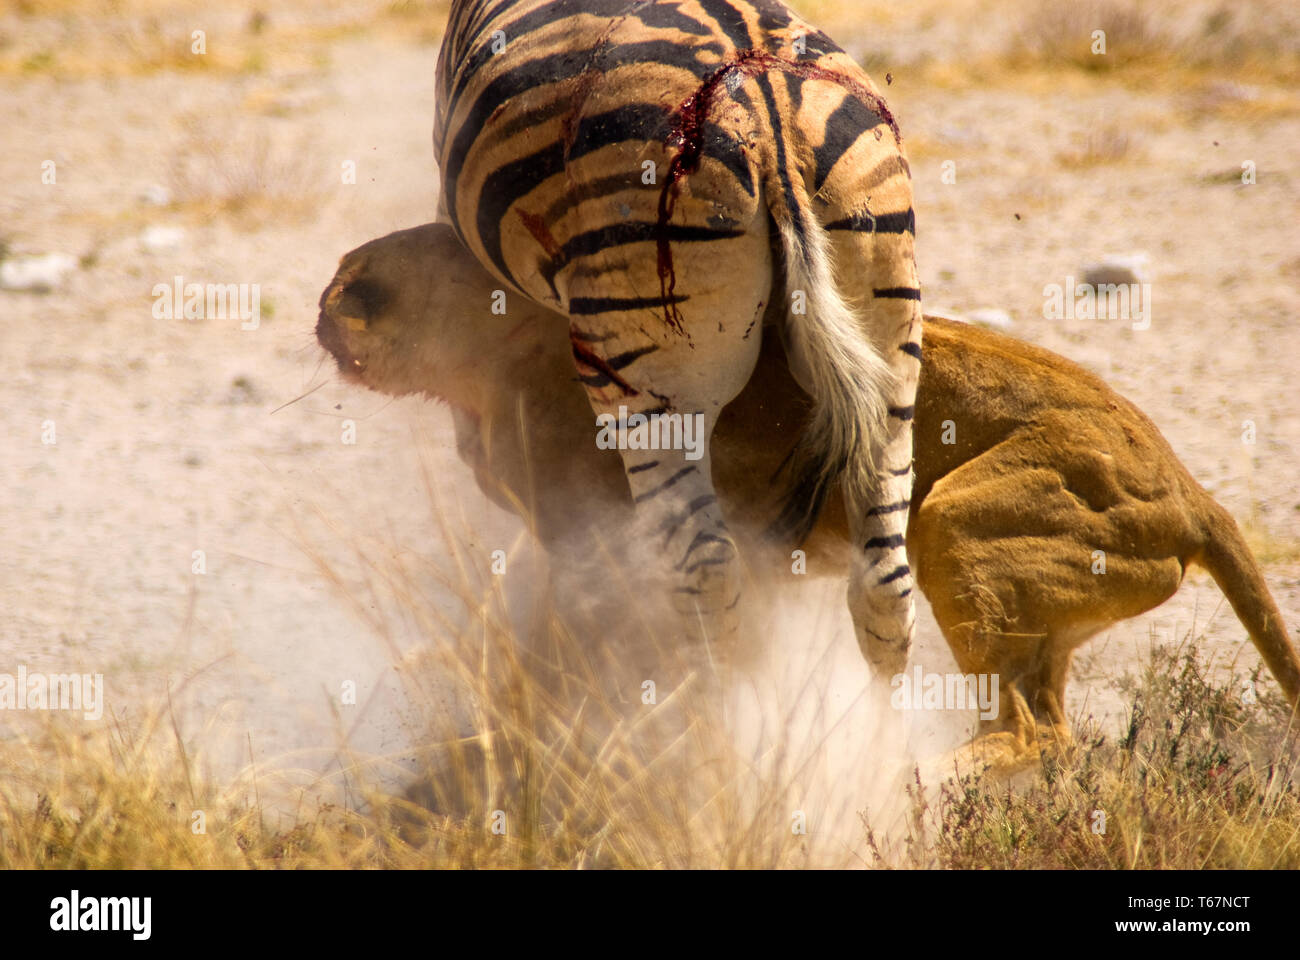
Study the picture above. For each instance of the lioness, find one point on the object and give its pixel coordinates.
(1026, 467)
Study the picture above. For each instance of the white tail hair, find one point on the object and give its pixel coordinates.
(829, 348)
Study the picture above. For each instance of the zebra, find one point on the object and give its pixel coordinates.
(652, 170)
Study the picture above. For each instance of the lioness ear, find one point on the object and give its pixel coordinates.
(350, 310)
(354, 299)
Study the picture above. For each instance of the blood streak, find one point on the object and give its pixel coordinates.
(687, 135)
(541, 233)
(588, 358)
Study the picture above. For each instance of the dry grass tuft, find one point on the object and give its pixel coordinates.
(1100, 146)
(1202, 778)
(243, 172)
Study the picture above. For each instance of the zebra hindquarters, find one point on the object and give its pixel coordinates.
(657, 390)
(866, 209)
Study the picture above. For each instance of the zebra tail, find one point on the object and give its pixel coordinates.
(848, 379)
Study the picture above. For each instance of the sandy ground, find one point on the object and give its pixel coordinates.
(169, 440)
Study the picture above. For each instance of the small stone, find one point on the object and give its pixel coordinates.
(36, 274)
(293, 101)
(162, 239)
(242, 390)
(1117, 268)
(1226, 91)
(960, 136)
(156, 195)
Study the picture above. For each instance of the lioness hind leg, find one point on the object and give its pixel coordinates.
(1045, 691)
(1007, 556)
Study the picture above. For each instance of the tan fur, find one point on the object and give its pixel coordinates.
(1049, 465)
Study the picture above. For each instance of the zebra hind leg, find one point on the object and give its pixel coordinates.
(880, 580)
(658, 401)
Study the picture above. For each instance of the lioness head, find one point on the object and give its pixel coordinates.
(396, 316)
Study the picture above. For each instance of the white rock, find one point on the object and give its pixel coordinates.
(156, 195)
(1118, 268)
(295, 101)
(992, 318)
(961, 136)
(1227, 90)
(162, 239)
(39, 274)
